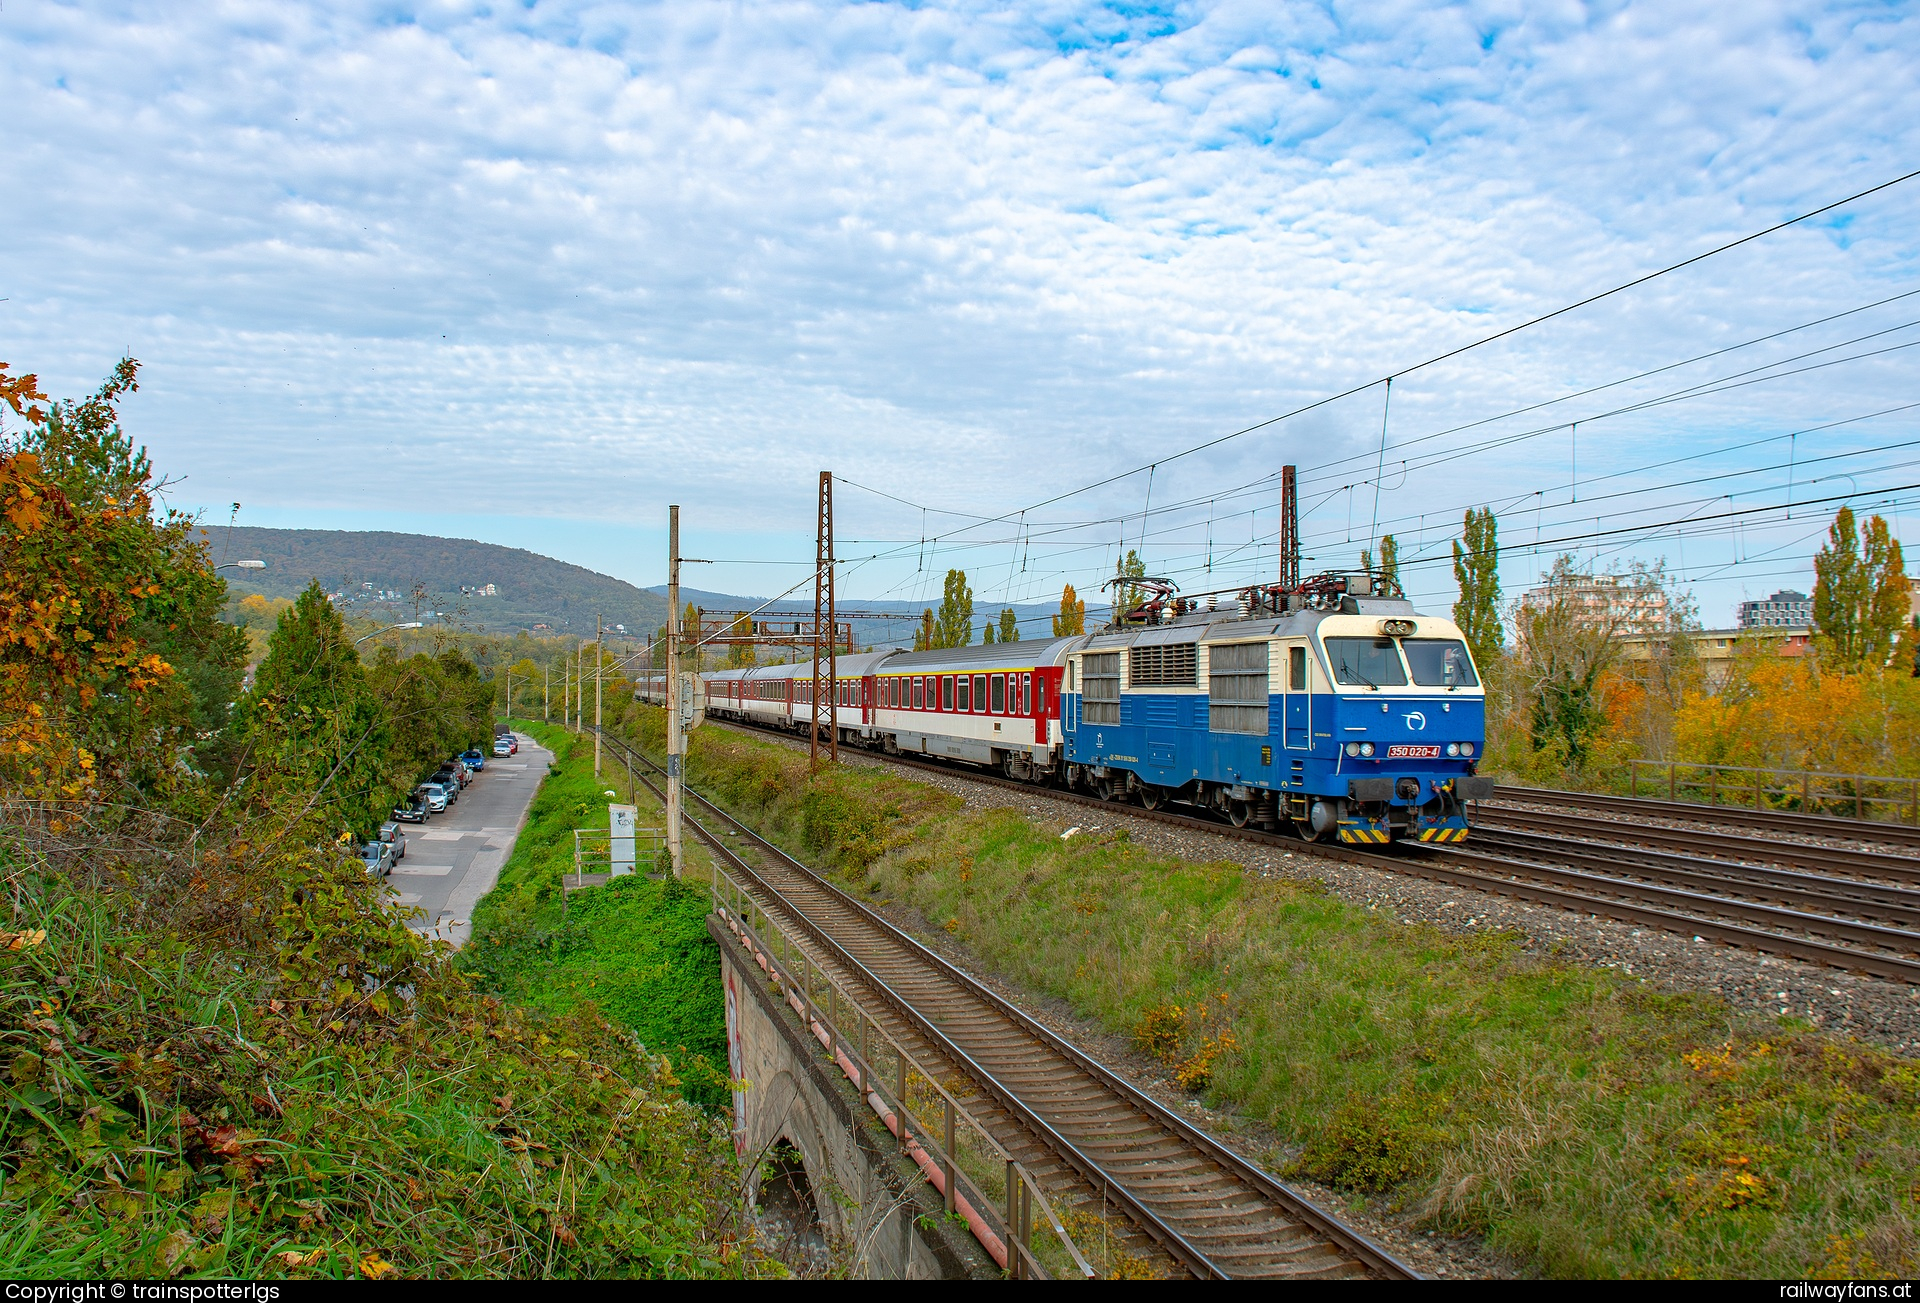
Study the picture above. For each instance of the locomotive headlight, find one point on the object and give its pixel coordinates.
(1466, 748)
(1353, 748)
(1366, 748)
(1453, 748)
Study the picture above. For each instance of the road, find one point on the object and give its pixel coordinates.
(454, 858)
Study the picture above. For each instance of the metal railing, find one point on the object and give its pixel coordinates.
(593, 852)
(980, 1184)
(1880, 797)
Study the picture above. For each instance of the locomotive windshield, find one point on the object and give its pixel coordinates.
(1440, 663)
(1365, 662)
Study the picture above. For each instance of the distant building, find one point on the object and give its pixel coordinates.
(1604, 600)
(542, 628)
(1716, 648)
(479, 590)
(1786, 609)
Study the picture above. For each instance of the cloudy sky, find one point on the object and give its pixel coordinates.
(527, 272)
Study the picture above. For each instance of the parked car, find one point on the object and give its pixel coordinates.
(412, 808)
(473, 760)
(395, 839)
(377, 858)
(456, 773)
(502, 746)
(434, 795)
(513, 744)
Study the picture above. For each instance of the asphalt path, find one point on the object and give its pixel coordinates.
(454, 858)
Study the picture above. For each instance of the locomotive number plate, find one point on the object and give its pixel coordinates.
(1413, 753)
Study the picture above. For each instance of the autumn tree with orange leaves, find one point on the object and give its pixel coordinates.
(114, 665)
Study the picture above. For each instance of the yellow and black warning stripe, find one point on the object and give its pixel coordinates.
(1367, 835)
(1443, 834)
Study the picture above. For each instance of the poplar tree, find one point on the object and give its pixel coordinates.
(1126, 596)
(1861, 597)
(1388, 572)
(986, 633)
(1476, 567)
(1072, 619)
(923, 636)
(953, 627)
(1009, 625)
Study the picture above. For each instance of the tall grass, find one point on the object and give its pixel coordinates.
(632, 950)
(1579, 1120)
(178, 1107)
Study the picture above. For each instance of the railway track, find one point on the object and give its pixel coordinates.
(1806, 825)
(1714, 844)
(1078, 1127)
(1833, 926)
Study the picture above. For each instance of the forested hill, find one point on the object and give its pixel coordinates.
(531, 589)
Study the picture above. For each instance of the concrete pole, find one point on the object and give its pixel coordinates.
(546, 693)
(676, 745)
(599, 660)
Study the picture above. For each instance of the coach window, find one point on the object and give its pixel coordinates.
(1040, 698)
(999, 694)
(919, 694)
(966, 699)
(979, 692)
(1026, 693)
(946, 692)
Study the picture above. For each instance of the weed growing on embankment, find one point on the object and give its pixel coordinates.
(326, 1098)
(1577, 1120)
(634, 949)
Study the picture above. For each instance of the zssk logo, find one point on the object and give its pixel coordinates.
(1416, 722)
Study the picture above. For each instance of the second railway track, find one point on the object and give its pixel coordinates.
(1830, 927)
(1072, 1122)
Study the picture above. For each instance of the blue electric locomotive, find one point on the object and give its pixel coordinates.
(1348, 714)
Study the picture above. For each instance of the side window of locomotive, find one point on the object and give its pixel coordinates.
(1297, 669)
(1439, 662)
(1100, 682)
(946, 692)
(999, 694)
(1365, 662)
(1237, 688)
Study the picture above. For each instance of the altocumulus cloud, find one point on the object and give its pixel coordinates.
(1022, 245)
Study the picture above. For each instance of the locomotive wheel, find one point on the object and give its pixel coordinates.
(1238, 812)
(1152, 796)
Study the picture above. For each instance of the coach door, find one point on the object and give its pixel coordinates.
(1299, 682)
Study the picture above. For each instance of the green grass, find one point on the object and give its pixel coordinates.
(634, 950)
(317, 1093)
(1578, 1120)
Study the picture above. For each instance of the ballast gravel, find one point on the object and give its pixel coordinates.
(1878, 1011)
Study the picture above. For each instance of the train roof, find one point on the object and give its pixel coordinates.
(1231, 626)
(1027, 653)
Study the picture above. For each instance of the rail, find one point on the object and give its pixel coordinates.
(960, 1164)
(1338, 1238)
(1566, 888)
(1795, 791)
